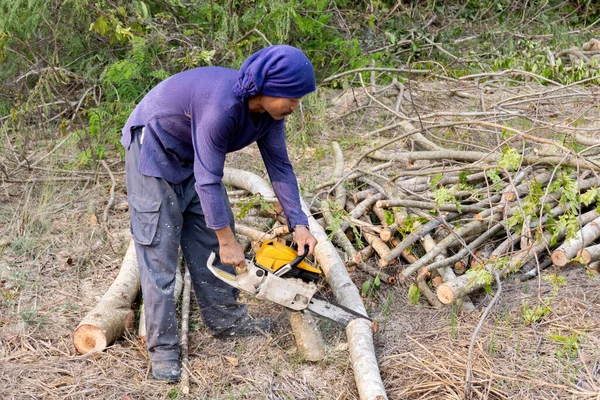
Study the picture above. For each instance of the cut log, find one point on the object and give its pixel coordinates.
(380, 213)
(460, 266)
(471, 281)
(254, 234)
(568, 250)
(363, 194)
(590, 254)
(379, 246)
(364, 254)
(360, 331)
(445, 274)
(247, 181)
(422, 277)
(308, 336)
(406, 254)
(481, 257)
(400, 216)
(108, 320)
(361, 208)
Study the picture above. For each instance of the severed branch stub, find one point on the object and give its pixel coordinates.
(308, 336)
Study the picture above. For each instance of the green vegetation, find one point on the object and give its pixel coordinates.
(536, 312)
(75, 69)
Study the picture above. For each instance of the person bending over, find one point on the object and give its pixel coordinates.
(176, 140)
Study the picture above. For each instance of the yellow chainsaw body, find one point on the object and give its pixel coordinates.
(273, 255)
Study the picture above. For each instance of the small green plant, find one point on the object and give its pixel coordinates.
(387, 306)
(570, 345)
(389, 217)
(493, 174)
(534, 313)
(557, 281)
(491, 348)
(175, 394)
(369, 286)
(414, 294)
(480, 276)
(511, 159)
(31, 317)
(537, 312)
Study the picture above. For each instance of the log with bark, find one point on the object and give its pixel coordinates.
(107, 321)
(359, 332)
(569, 249)
(308, 336)
(470, 282)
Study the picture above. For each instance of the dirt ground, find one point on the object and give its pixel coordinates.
(57, 260)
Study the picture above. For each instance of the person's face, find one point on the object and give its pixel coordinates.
(279, 107)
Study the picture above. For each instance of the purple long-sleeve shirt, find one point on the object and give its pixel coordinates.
(191, 121)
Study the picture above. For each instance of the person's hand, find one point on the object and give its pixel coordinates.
(304, 238)
(230, 251)
(233, 254)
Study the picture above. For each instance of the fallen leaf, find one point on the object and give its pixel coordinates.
(65, 380)
(233, 361)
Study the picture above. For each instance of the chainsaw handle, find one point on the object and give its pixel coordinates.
(301, 258)
(238, 270)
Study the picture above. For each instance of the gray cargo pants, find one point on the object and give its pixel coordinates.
(163, 217)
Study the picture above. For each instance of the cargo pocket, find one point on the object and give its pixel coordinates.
(144, 218)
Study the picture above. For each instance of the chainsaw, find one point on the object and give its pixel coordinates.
(276, 273)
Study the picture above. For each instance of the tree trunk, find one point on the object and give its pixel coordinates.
(113, 314)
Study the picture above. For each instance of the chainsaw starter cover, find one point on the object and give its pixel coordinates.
(273, 255)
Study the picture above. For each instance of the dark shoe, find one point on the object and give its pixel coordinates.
(247, 326)
(168, 371)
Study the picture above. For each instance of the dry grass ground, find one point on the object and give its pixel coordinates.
(57, 261)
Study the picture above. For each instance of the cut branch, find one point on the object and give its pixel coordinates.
(568, 250)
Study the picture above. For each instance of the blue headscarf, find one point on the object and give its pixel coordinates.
(278, 71)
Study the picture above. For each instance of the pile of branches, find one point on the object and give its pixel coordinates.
(457, 221)
(457, 228)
